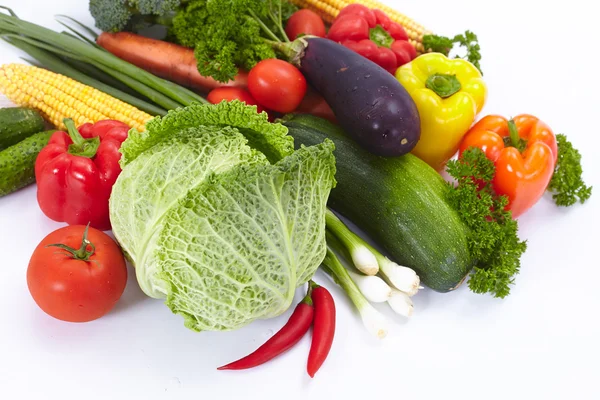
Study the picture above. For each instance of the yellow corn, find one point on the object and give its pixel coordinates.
(329, 9)
(58, 97)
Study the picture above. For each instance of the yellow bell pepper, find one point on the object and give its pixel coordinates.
(449, 93)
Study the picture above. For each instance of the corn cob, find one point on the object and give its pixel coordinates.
(329, 9)
(58, 97)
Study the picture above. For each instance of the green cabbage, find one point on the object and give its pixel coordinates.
(219, 215)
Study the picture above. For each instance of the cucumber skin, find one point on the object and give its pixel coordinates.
(398, 202)
(17, 124)
(17, 163)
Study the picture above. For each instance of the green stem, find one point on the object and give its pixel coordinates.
(81, 147)
(515, 139)
(82, 253)
(443, 85)
(264, 27)
(342, 278)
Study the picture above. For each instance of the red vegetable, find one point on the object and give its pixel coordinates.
(314, 104)
(77, 274)
(323, 328)
(232, 93)
(305, 22)
(167, 60)
(277, 85)
(76, 171)
(372, 34)
(295, 328)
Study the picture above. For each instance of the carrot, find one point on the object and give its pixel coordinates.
(167, 60)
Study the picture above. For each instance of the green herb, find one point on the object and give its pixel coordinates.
(442, 44)
(492, 239)
(566, 184)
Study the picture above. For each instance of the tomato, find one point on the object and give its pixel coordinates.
(80, 277)
(314, 104)
(233, 93)
(277, 85)
(305, 22)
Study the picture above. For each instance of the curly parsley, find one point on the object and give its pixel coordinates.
(566, 184)
(442, 44)
(492, 239)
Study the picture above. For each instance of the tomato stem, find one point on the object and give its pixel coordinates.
(82, 253)
(81, 147)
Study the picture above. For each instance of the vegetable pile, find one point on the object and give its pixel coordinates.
(224, 155)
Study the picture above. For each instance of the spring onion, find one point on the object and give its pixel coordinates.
(372, 287)
(401, 303)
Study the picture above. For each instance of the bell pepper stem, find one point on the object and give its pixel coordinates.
(515, 140)
(444, 85)
(81, 146)
(82, 253)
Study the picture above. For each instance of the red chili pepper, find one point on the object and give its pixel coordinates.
(75, 172)
(372, 34)
(295, 328)
(323, 328)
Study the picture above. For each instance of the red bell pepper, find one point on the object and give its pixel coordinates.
(372, 34)
(524, 151)
(75, 172)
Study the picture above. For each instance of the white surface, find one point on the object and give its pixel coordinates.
(539, 343)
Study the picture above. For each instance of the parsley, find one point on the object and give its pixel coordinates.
(441, 44)
(493, 242)
(566, 184)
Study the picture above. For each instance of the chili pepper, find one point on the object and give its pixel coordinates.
(372, 34)
(295, 328)
(75, 172)
(524, 151)
(323, 328)
(449, 93)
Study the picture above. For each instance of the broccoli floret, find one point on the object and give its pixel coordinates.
(132, 15)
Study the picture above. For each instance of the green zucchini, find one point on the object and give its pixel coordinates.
(398, 201)
(17, 163)
(18, 123)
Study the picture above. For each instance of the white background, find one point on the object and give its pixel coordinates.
(542, 342)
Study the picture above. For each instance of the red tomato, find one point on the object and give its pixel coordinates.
(305, 21)
(80, 286)
(277, 85)
(233, 93)
(314, 104)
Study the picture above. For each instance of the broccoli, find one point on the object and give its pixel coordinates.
(132, 15)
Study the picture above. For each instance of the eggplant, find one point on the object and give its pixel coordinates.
(369, 103)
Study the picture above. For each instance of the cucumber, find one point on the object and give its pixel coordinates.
(398, 201)
(17, 163)
(18, 123)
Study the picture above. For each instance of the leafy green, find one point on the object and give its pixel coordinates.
(132, 15)
(212, 225)
(492, 239)
(566, 185)
(442, 44)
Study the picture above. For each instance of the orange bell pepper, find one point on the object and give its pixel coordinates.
(524, 151)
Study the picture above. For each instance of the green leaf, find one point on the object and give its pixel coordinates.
(567, 186)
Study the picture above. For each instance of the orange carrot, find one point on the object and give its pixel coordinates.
(166, 60)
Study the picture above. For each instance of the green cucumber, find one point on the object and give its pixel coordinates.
(18, 123)
(400, 202)
(17, 163)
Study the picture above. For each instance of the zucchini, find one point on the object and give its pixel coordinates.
(18, 123)
(17, 163)
(400, 202)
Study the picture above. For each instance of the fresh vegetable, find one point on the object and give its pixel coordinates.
(372, 287)
(17, 124)
(323, 328)
(314, 104)
(77, 274)
(399, 202)
(493, 242)
(524, 152)
(167, 60)
(330, 9)
(17, 163)
(119, 15)
(277, 85)
(442, 44)
(228, 35)
(449, 95)
(305, 22)
(75, 172)
(566, 184)
(58, 97)
(401, 303)
(231, 93)
(373, 35)
(290, 334)
(368, 102)
(233, 220)
(373, 320)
